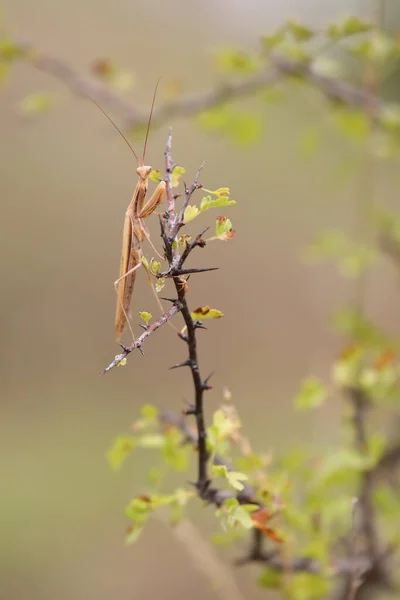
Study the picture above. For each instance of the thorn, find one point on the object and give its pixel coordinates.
(172, 300)
(140, 350)
(187, 363)
(199, 325)
(125, 348)
(191, 410)
(143, 326)
(183, 337)
(194, 270)
(205, 385)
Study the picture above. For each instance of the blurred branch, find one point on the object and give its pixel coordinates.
(280, 66)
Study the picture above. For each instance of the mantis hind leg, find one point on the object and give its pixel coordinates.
(116, 285)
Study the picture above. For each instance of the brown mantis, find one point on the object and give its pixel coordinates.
(135, 231)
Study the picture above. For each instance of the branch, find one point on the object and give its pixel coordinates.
(137, 344)
(279, 67)
(246, 496)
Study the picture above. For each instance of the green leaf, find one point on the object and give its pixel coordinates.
(160, 283)
(361, 330)
(242, 516)
(349, 27)
(205, 312)
(149, 412)
(36, 103)
(208, 202)
(379, 48)
(237, 61)
(139, 509)
(235, 479)
(9, 50)
(227, 538)
(340, 466)
(269, 42)
(387, 500)
(312, 394)
(134, 532)
(299, 31)
(270, 578)
(151, 440)
(145, 263)
(119, 450)
(190, 213)
(355, 124)
(390, 117)
(222, 226)
(176, 175)
(155, 267)
(146, 316)
(306, 586)
(175, 454)
(219, 470)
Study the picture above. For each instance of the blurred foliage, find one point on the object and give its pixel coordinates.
(303, 502)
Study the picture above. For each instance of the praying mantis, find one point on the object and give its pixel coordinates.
(135, 230)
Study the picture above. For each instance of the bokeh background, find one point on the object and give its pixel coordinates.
(66, 180)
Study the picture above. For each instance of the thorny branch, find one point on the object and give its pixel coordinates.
(169, 230)
(150, 329)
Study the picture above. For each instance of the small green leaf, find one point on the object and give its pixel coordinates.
(205, 312)
(359, 328)
(139, 509)
(174, 453)
(353, 123)
(235, 479)
(151, 440)
(219, 470)
(176, 175)
(146, 316)
(190, 213)
(155, 176)
(160, 283)
(341, 466)
(242, 516)
(134, 532)
(299, 31)
(269, 42)
(36, 103)
(119, 450)
(379, 48)
(307, 586)
(349, 27)
(155, 267)
(311, 395)
(270, 579)
(237, 61)
(9, 50)
(208, 202)
(145, 263)
(149, 412)
(222, 226)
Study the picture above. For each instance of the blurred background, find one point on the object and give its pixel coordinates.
(66, 180)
